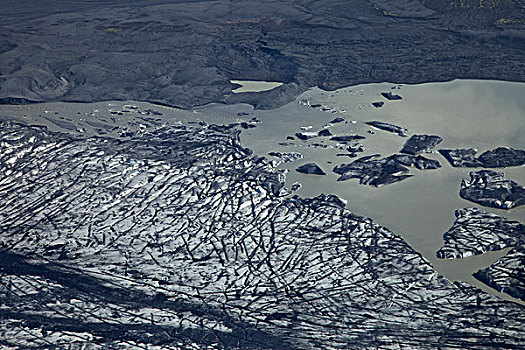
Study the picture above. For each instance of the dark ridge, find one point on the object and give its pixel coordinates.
(16, 101)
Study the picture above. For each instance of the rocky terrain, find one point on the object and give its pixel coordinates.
(180, 238)
(184, 53)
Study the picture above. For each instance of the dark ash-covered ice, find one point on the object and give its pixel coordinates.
(389, 127)
(286, 157)
(491, 189)
(420, 143)
(346, 138)
(372, 171)
(310, 168)
(507, 275)
(419, 161)
(500, 157)
(337, 120)
(355, 147)
(461, 157)
(375, 171)
(390, 96)
(306, 135)
(324, 133)
(248, 125)
(476, 232)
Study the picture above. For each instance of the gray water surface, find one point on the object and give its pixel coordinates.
(254, 85)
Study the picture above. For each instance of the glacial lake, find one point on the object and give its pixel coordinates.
(465, 113)
(254, 85)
